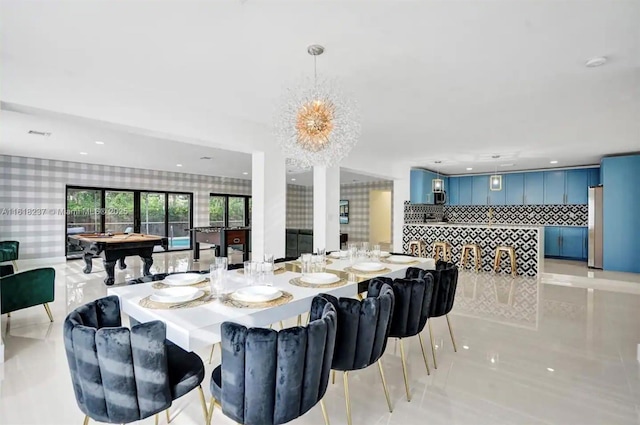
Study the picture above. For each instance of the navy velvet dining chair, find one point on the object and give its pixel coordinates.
(123, 375)
(270, 377)
(363, 329)
(413, 297)
(445, 282)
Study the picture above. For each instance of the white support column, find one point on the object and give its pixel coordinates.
(269, 202)
(401, 193)
(326, 208)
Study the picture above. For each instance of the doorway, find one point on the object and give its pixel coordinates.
(380, 217)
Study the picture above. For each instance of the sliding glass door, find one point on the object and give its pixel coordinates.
(118, 211)
(229, 210)
(179, 207)
(98, 210)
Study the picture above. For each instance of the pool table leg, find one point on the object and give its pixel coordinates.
(148, 262)
(88, 263)
(122, 264)
(109, 267)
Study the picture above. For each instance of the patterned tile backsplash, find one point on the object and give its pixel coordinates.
(544, 215)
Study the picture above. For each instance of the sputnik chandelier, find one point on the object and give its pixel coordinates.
(317, 126)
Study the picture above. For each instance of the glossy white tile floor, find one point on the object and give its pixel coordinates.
(561, 350)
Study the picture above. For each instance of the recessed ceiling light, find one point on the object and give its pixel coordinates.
(495, 156)
(438, 162)
(245, 173)
(551, 369)
(553, 162)
(98, 142)
(205, 157)
(596, 61)
(293, 180)
(469, 168)
(83, 153)
(466, 347)
(178, 165)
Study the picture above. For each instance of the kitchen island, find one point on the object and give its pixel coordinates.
(528, 242)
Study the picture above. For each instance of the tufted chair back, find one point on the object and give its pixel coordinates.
(363, 326)
(119, 375)
(412, 307)
(269, 377)
(445, 280)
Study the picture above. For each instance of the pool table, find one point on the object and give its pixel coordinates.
(114, 247)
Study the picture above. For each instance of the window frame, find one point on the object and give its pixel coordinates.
(247, 198)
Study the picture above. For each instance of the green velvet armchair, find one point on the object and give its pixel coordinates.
(9, 252)
(27, 289)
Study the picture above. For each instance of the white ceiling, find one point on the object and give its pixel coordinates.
(456, 81)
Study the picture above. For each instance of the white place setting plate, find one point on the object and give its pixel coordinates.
(384, 254)
(176, 295)
(183, 279)
(401, 259)
(260, 293)
(339, 254)
(368, 266)
(320, 278)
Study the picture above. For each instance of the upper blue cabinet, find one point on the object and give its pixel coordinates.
(421, 191)
(569, 186)
(480, 194)
(453, 194)
(513, 186)
(465, 190)
(533, 188)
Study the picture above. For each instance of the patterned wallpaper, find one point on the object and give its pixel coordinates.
(299, 207)
(358, 196)
(544, 215)
(40, 184)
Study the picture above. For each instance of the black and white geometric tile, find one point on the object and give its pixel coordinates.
(415, 213)
(524, 240)
(544, 215)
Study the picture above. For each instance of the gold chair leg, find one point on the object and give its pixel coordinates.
(433, 346)
(213, 347)
(212, 405)
(404, 370)
(157, 418)
(451, 333)
(48, 310)
(346, 396)
(299, 319)
(168, 416)
(360, 297)
(281, 325)
(203, 401)
(333, 377)
(86, 420)
(15, 265)
(324, 413)
(384, 385)
(424, 354)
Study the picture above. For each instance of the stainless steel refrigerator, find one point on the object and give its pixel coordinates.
(595, 227)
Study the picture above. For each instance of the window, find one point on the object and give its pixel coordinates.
(101, 210)
(229, 210)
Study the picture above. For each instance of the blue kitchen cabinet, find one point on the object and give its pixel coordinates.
(572, 242)
(417, 187)
(552, 241)
(498, 197)
(533, 188)
(577, 186)
(513, 186)
(565, 242)
(554, 187)
(453, 194)
(465, 190)
(480, 195)
(593, 176)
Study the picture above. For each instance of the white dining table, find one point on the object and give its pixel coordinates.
(197, 327)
